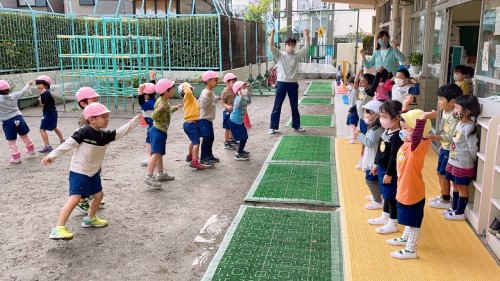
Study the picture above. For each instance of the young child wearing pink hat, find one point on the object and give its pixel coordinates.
(85, 96)
(49, 119)
(243, 98)
(207, 115)
(90, 143)
(226, 100)
(147, 100)
(13, 123)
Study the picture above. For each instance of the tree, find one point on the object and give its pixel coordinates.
(257, 11)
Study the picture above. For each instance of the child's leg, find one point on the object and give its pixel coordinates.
(353, 127)
(14, 151)
(241, 145)
(153, 160)
(30, 147)
(59, 134)
(159, 164)
(392, 224)
(45, 137)
(454, 203)
(413, 238)
(445, 186)
(67, 209)
(95, 203)
(195, 150)
(463, 198)
(227, 134)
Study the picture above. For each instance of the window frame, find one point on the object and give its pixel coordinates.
(22, 3)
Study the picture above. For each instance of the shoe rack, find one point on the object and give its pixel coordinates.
(484, 193)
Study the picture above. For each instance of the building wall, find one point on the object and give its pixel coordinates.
(103, 7)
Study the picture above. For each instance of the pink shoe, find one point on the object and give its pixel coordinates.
(30, 150)
(15, 160)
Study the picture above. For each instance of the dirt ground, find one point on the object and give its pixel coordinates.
(152, 232)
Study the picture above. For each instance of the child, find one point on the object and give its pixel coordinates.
(352, 116)
(365, 95)
(461, 164)
(459, 75)
(191, 118)
(147, 102)
(370, 141)
(386, 156)
(411, 186)
(446, 101)
(469, 78)
(158, 134)
(381, 91)
(402, 84)
(238, 129)
(207, 115)
(90, 143)
(49, 119)
(85, 96)
(226, 100)
(13, 122)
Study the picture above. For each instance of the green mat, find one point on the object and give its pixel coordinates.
(303, 149)
(280, 244)
(319, 88)
(326, 121)
(309, 100)
(295, 183)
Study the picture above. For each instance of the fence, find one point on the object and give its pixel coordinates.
(28, 40)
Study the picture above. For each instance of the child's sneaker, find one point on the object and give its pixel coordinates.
(164, 177)
(246, 153)
(241, 157)
(440, 204)
(214, 159)
(233, 142)
(299, 129)
(272, 131)
(396, 241)
(145, 162)
(379, 221)
(369, 197)
(228, 145)
(151, 181)
(432, 199)
(450, 210)
(404, 254)
(94, 222)
(83, 206)
(454, 217)
(387, 228)
(199, 166)
(16, 160)
(46, 149)
(30, 152)
(60, 233)
(374, 205)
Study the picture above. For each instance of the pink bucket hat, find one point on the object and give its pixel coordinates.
(180, 89)
(237, 86)
(229, 76)
(85, 93)
(4, 85)
(94, 109)
(44, 78)
(209, 75)
(149, 88)
(163, 85)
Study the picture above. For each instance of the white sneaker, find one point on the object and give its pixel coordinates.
(144, 162)
(351, 141)
(387, 228)
(299, 129)
(432, 199)
(379, 221)
(164, 177)
(450, 210)
(369, 197)
(396, 241)
(272, 131)
(454, 217)
(374, 205)
(151, 181)
(404, 254)
(440, 204)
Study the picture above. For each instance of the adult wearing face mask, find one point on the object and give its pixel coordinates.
(385, 55)
(287, 83)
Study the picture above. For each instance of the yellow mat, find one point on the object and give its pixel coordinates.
(448, 250)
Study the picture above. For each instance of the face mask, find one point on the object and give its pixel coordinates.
(456, 77)
(244, 92)
(399, 82)
(383, 43)
(402, 135)
(386, 123)
(362, 89)
(289, 49)
(458, 115)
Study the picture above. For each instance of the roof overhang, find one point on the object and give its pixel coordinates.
(358, 4)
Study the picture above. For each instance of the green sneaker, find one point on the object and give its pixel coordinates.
(83, 206)
(60, 233)
(94, 222)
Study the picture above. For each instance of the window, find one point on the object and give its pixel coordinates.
(87, 2)
(154, 7)
(32, 3)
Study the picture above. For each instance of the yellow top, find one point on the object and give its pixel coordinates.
(464, 85)
(191, 106)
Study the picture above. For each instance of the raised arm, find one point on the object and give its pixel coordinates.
(303, 52)
(276, 53)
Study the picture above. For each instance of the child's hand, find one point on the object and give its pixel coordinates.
(374, 171)
(151, 72)
(407, 102)
(140, 115)
(179, 106)
(30, 83)
(387, 179)
(394, 43)
(381, 69)
(362, 52)
(430, 115)
(160, 106)
(229, 108)
(433, 137)
(46, 161)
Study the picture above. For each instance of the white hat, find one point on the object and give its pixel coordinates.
(373, 105)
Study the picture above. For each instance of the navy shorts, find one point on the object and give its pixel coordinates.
(352, 119)
(238, 131)
(206, 128)
(369, 177)
(411, 215)
(225, 119)
(80, 184)
(148, 134)
(362, 126)
(13, 126)
(192, 131)
(158, 141)
(442, 161)
(458, 180)
(387, 190)
(49, 121)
